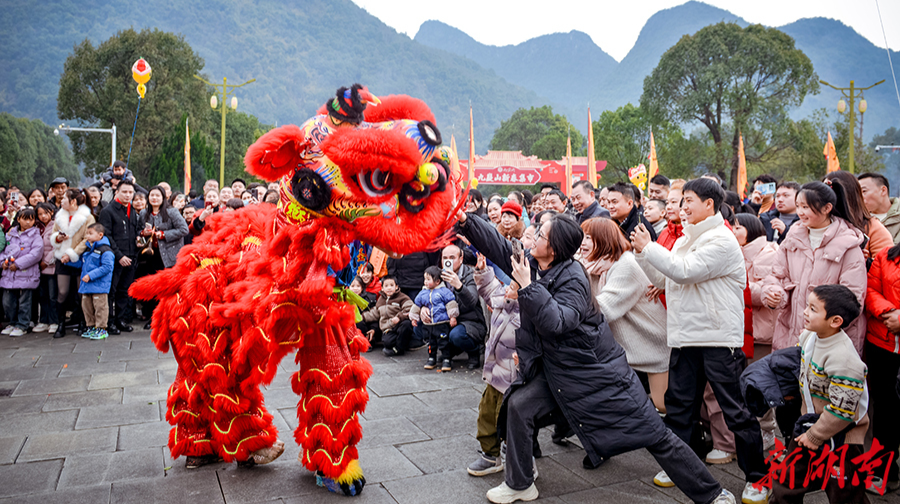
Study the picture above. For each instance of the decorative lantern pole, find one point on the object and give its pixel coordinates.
(854, 92)
(213, 102)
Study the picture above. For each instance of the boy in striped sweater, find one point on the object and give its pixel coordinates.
(832, 382)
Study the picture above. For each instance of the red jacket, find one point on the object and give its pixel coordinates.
(882, 296)
(668, 236)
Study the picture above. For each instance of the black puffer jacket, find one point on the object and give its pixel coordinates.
(409, 270)
(565, 337)
(766, 382)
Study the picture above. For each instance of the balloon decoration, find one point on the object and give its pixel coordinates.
(638, 176)
(140, 72)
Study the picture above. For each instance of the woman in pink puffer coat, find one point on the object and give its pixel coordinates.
(822, 248)
(760, 257)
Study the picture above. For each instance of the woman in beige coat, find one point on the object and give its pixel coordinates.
(72, 220)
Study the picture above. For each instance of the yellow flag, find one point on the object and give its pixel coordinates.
(742, 169)
(654, 164)
(833, 164)
(187, 158)
(567, 186)
(592, 163)
(454, 161)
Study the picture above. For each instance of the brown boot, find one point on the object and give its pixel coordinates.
(195, 462)
(268, 454)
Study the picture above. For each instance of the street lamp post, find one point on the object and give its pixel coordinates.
(112, 131)
(213, 102)
(851, 97)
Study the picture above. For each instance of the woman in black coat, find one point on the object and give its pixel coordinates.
(570, 364)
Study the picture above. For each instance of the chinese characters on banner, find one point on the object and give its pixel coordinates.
(507, 175)
(824, 465)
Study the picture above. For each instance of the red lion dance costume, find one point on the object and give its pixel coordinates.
(260, 283)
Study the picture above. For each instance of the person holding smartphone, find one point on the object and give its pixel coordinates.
(211, 206)
(123, 223)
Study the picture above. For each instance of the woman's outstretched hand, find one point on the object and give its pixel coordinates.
(521, 272)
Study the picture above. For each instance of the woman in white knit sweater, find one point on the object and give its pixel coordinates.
(619, 286)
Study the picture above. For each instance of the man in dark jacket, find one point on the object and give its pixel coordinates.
(584, 202)
(123, 224)
(778, 220)
(624, 210)
(570, 363)
(468, 335)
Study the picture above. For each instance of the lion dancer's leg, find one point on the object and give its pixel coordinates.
(190, 434)
(332, 385)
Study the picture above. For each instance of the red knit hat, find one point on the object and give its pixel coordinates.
(513, 208)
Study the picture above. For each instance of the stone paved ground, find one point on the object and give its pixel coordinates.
(83, 422)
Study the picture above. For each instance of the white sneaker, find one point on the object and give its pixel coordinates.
(17, 332)
(719, 457)
(52, 328)
(40, 328)
(725, 497)
(8, 329)
(662, 480)
(768, 438)
(753, 496)
(504, 495)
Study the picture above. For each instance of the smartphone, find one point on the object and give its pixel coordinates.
(448, 264)
(766, 189)
(209, 204)
(517, 249)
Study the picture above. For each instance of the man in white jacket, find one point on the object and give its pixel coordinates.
(704, 279)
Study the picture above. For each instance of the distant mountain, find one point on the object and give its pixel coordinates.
(299, 53)
(537, 64)
(837, 52)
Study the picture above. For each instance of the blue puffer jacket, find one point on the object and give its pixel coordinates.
(766, 382)
(97, 262)
(440, 301)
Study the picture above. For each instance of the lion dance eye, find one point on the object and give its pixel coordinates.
(376, 182)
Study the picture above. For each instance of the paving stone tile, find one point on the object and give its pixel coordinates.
(633, 465)
(65, 444)
(390, 431)
(36, 477)
(9, 448)
(19, 361)
(166, 375)
(446, 424)
(371, 494)
(52, 386)
(21, 405)
(434, 488)
(135, 437)
(83, 470)
(451, 399)
(95, 347)
(27, 373)
(68, 359)
(118, 380)
(393, 406)
(51, 348)
(256, 485)
(397, 385)
(39, 423)
(121, 414)
(447, 454)
(629, 491)
(76, 400)
(146, 393)
(200, 487)
(385, 463)
(281, 398)
(8, 387)
(85, 495)
(118, 354)
(82, 369)
(290, 417)
(151, 365)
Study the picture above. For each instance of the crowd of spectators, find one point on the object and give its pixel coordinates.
(627, 320)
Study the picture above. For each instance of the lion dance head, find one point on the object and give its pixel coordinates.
(375, 167)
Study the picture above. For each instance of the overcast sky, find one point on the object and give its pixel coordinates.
(615, 25)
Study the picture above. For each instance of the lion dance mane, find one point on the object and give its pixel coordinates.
(261, 282)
